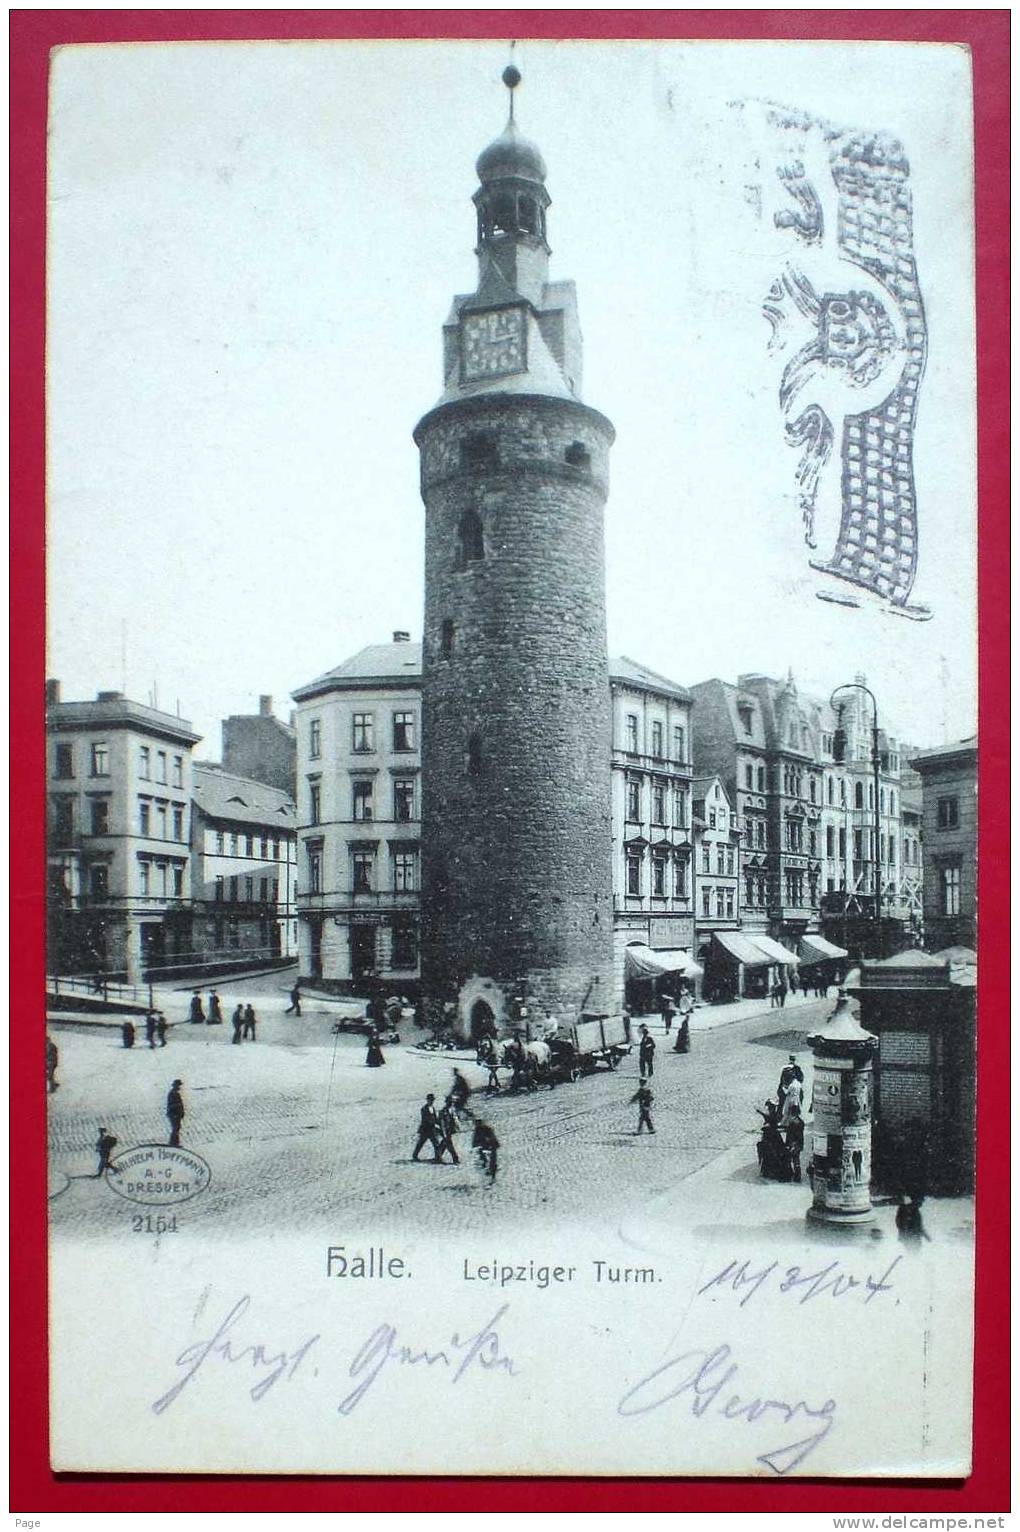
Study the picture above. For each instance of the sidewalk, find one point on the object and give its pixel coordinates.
(707, 1018)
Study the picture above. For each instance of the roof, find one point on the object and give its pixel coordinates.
(960, 750)
(815, 948)
(383, 664)
(111, 709)
(223, 795)
(631, 672)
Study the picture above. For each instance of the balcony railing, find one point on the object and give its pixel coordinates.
(342, 900)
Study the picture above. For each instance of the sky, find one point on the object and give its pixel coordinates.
(252, 251)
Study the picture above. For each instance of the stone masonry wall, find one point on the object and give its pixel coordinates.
(516, 854)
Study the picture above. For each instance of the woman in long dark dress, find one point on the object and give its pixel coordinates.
(374, 1057)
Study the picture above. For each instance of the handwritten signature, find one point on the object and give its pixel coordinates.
(382, 1347)
(831, 1280)
(270, 1365)
(708, 1378)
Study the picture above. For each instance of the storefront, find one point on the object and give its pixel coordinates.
(821, 962)
(652, 972)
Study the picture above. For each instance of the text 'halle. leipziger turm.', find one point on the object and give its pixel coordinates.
(516, 839)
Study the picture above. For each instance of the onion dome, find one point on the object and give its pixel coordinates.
(511, 154)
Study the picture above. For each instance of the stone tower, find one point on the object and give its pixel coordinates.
(516, 840)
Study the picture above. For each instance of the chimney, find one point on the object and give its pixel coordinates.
(265, 706)
(52, 692)
(400, 637)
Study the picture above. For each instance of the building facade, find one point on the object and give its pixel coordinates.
(716, 862)
(359, 811)
(244, 867)
(119, 783)
(653, 874)
(261, 747)
(516, 835)
(949, 789)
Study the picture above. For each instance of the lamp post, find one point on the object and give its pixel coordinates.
(839, 756)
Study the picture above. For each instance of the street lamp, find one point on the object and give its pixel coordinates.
(839, 756)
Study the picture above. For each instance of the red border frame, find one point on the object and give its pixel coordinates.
(34, 1488)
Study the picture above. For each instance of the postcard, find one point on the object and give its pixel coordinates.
(511, 758)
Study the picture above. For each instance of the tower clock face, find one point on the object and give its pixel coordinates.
(492, 344)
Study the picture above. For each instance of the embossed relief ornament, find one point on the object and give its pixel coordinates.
(847, 320)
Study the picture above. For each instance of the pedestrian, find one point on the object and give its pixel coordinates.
(237, 1021)
(448, 1126)
(490, 1058)
(646, 1054)
(295, 1002)
(773, 1156)
(484, 1140)
(792, 1101)
(667, 1012)
(394, 1011)
(428, 1128)
(52, 1060)
(105, 1145)
(150, 1029)
(794, 1128)
(909, 1224)
(175, 1112)
(793, 981)
(249, 1022)
(774, 994)
(161, 1028)
(791, 1071)
(644, 1099)
(215, 1013)
(196, 1013)
(683, 1037)
(459, 1091)
(127, 1034)
(374, 1056)
(781, 988)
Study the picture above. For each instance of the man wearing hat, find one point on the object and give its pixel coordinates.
(175, 1112)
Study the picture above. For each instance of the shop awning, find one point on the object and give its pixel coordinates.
(815, 949)
(643, 962)
(742, 948)
(774, 951)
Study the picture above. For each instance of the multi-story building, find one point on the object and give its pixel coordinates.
(118, 799)
(949, 787)
(244, 866)
(261, 747)
(716, 861)
(808, 859)
(653, 889)
(912, 859)
(359, 817)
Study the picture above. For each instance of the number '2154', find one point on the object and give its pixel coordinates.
(148, 1223)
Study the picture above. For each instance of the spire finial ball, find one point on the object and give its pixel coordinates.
(511, 77)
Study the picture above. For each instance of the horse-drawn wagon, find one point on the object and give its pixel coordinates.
(565, 1055)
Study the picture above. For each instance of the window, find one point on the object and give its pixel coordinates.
(63, 816)
(633, 874)
(749, 777)
(446, 638)
(144, 816)
(474, 756)
(470, 540)
(812, 843)
(813, 785)
(711, 819)
(178, 771)
(178, 818)
(633, 799)
(315, 869)
(362, 866)
(830, 841)
(706, 857)
(720, 860)
(362, 800)
(144, 876)
(404, 872)
(403, 731)
(720, 903)
(100, 810)
(249, 890)
(63, 765)
(658, 804)
(405, 944)
(679, 809)
(362, 740)
(479, 452)
(99, 880)
(892, 801)
(264, 848)
(275, 851)
(706, 901)
(631, 726)
(746, 716)
(232, 890)
(881, 800)
(949, 889)
(949, 819)
(657, 740)
(249, 846)
(729, 904)
(403, 800)
(218, 895)
(842, 845)
(577, 455)
(680, 878)
(100, 760)
(731, 862)
(858, 795)
(315, 739)
(233, 844)
(178, 880)
(659, 877)
(161, 821)
(160, 765)
(858, 845)
(314, 803)
(220, 842)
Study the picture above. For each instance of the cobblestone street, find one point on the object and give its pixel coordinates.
(297, 1130)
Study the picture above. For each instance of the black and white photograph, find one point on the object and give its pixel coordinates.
(511, 758)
